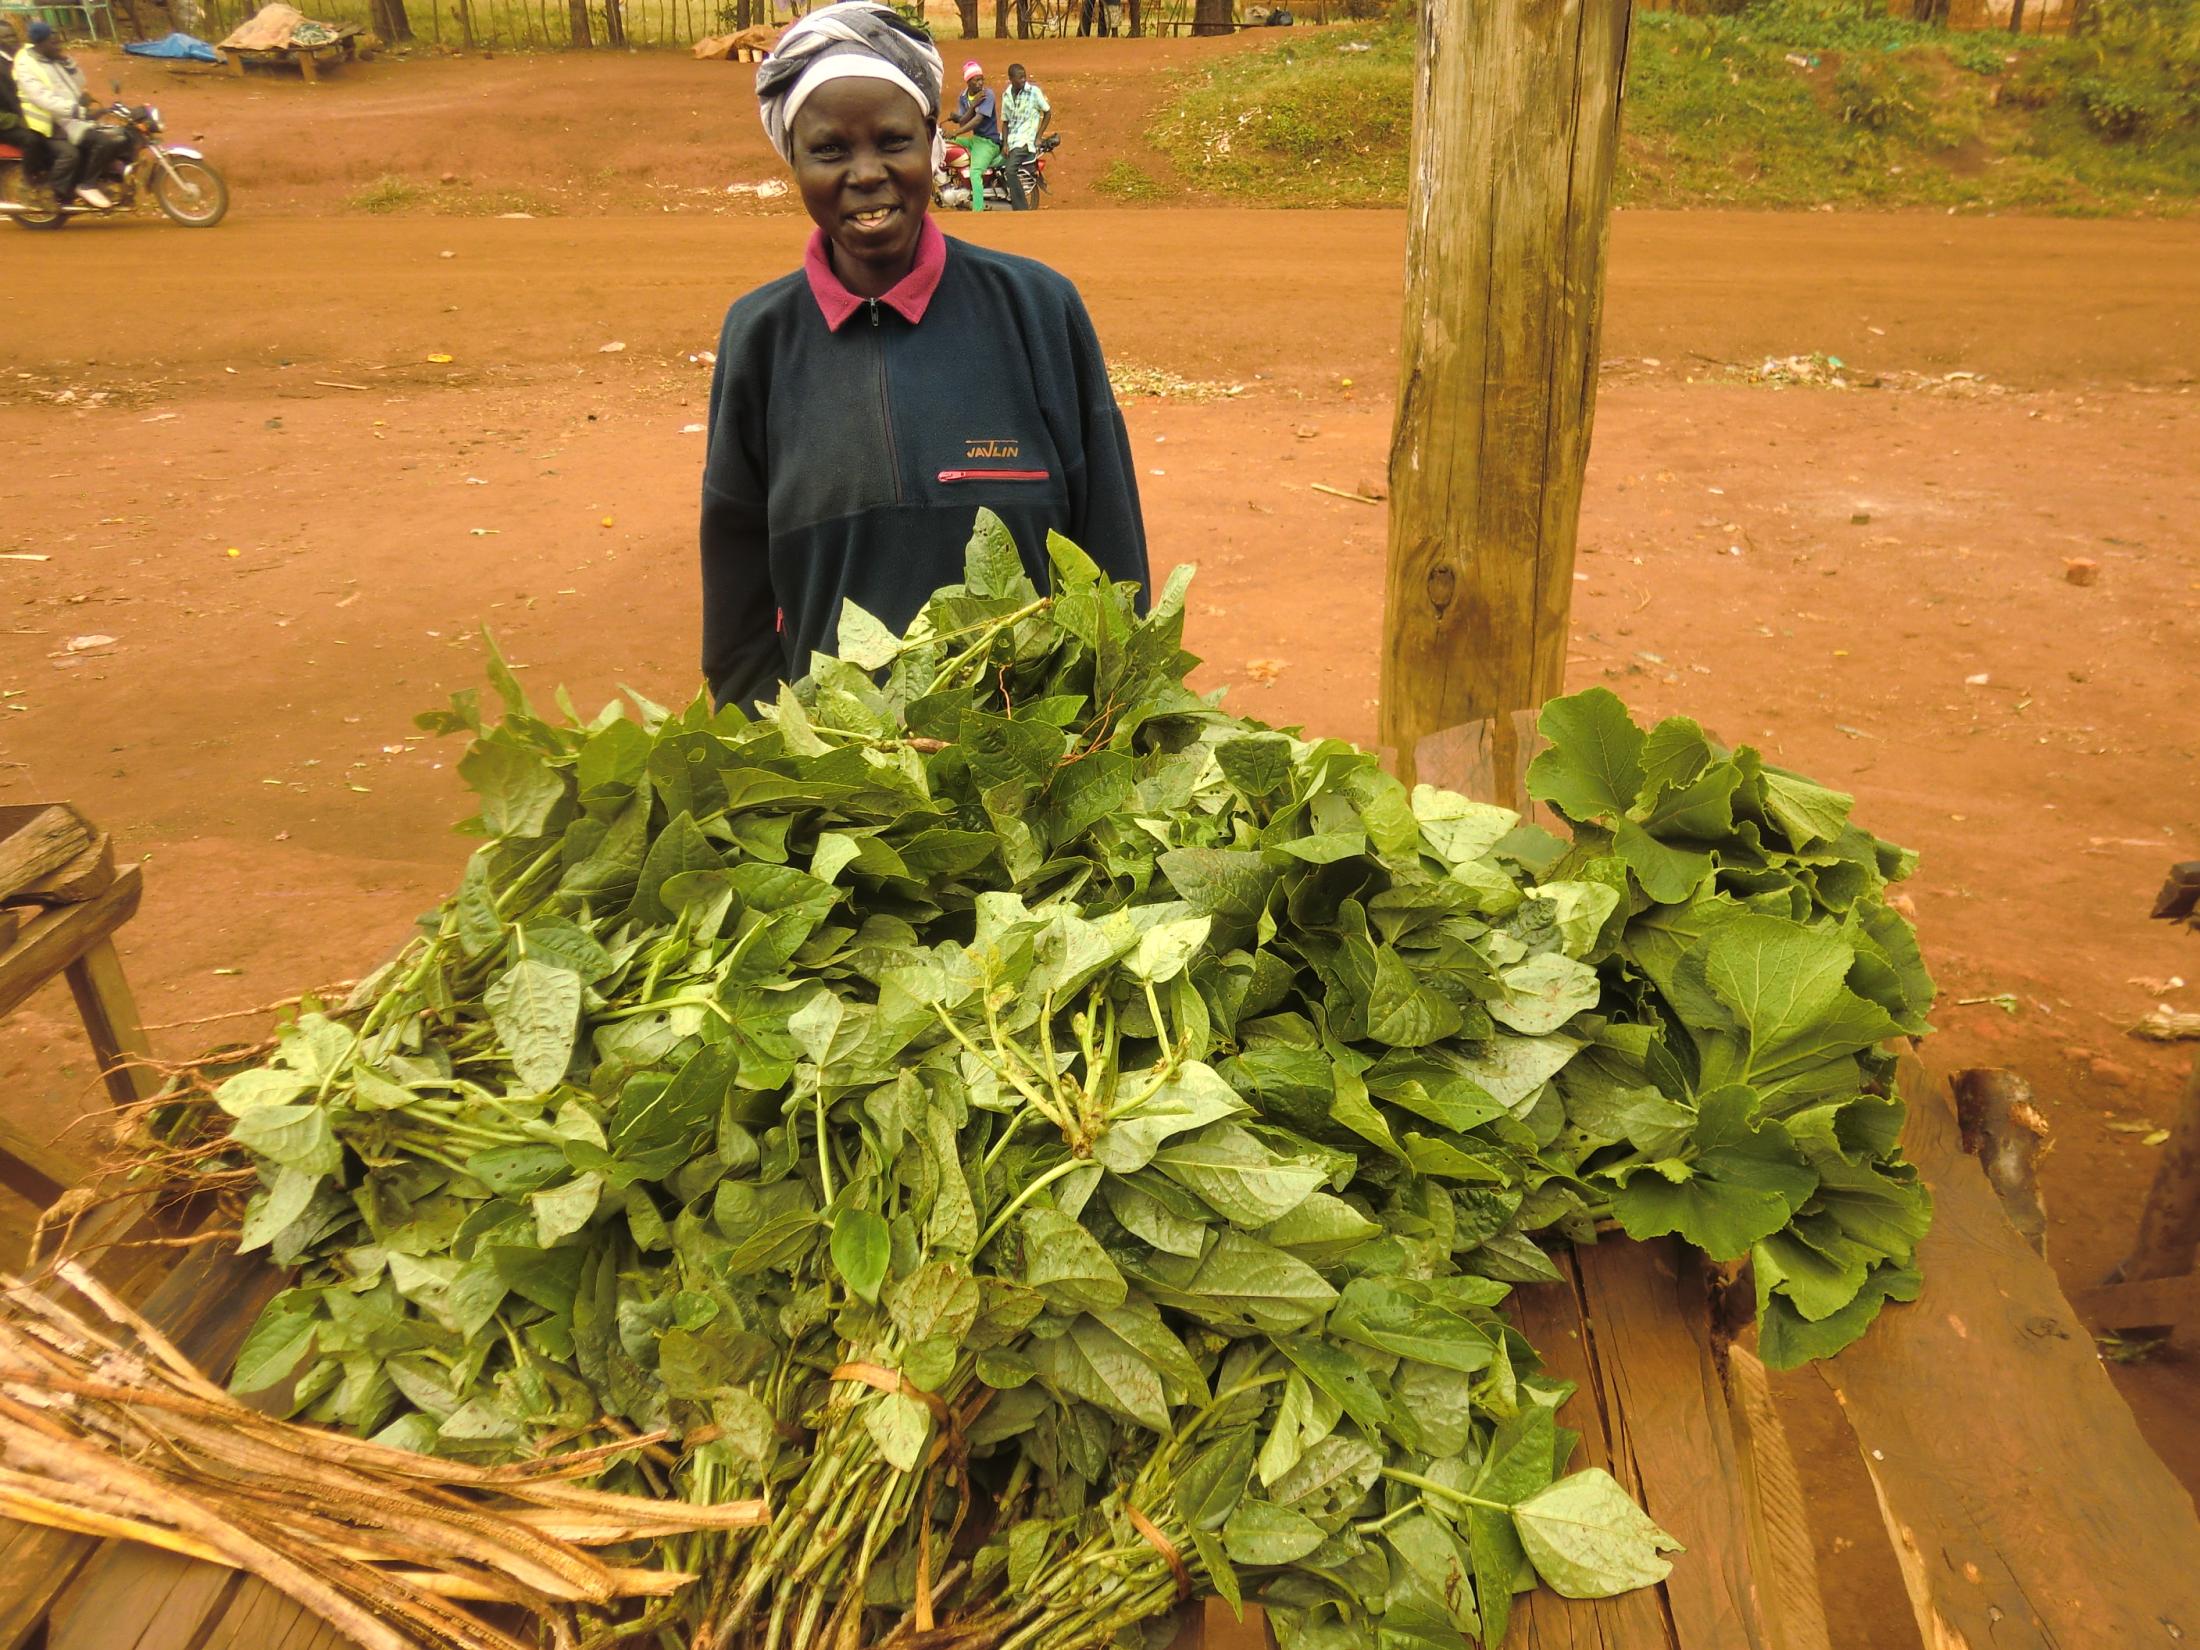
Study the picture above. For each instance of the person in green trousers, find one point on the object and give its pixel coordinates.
(976, 128)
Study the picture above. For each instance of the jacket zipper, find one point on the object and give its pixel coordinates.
(885, 402)
(996, 475)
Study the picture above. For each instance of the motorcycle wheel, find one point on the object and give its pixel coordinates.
(1035, 186)
(195, 197)
(38, 210)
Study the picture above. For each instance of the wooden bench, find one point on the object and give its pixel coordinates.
(2022, 1504)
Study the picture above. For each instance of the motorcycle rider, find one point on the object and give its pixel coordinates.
(1025, 116)
(56, 106)
(973, 129)
(14, 129)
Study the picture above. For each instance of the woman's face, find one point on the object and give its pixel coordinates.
(863, 161)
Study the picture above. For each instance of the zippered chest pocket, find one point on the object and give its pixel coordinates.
(967, 475)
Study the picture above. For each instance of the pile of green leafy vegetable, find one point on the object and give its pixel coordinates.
(1067, 1146)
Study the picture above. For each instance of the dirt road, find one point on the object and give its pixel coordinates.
(270, 527)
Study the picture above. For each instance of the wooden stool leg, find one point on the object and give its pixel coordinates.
(307, 67)
(2169, 1222)
(111, 1022)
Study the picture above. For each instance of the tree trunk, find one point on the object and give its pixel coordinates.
(1000, 19)
(391, 23)
(2016, 16)
(584, 33)
(1137, 11)
(614, 23)
(1515, 130)
(967, 10)
(466, 23)
(1211, 17)
(1023, 19)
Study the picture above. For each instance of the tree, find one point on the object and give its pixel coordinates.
(1000, 19)
(967, 10)
(576, 12)
(391, 23)
(614, 23)
(1212, 17)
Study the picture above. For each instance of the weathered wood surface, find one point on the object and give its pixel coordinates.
(1516, 126)
(61, 935)
(2004, 1130)
(83, 877)
(205, 1306)
(2169, 1220)
(36, 839)
(1633, 1328)
(2024, 1505)
(109, 1011)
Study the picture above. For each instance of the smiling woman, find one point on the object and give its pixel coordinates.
(866, 406)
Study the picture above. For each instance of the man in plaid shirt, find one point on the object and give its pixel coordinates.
(1025, 116)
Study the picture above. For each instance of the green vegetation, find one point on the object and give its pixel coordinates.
(392, 194)
(994, 1072)
(1785, 103)
(1125, 181)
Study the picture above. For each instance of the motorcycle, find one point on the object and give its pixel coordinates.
(172, 176)
(951, 177)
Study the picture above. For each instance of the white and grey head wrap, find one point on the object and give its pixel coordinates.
(856, 38)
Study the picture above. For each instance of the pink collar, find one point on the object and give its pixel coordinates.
(909, 296)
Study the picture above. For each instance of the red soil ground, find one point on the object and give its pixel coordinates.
(291, 566)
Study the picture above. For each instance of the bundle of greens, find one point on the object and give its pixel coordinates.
(1066, 1147)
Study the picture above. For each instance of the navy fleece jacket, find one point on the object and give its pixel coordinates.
(850, 465)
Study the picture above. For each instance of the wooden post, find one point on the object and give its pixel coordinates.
(1515, 130)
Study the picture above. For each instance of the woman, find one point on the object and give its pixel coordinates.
(865, 407)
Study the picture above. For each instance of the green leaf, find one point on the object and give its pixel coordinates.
(1593, 768)
(1192, 1097)
(517, 786)
(1805, 812)
(275, 1208)
(1212, 1483)
(991, 564)
(1545, 992)
(1587, 1539)
(861, 1248)
(563, 1210)
(1787, 1340)
(1460, 830)
(1256, 764)
(298, 1137)
(1065, 1262)
(1784, 984)
(1165, 949)
(1101, 1368)
(278, 1339)
(1222, 882)
(1231, 1172)
(535, 1007)
(862, 640)
(1260, 1532)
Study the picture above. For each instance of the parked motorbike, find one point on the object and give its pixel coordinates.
(175, 178)
(951, 179)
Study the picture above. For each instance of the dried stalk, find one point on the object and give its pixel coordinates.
(111, 1432)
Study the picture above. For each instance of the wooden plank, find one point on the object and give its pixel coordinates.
(63, 934)
(130, 1597)
(109, 1011)
(2154, 1303)
(1556, 1320)
(10, 926)
(90, 873)
(1786, 1557)
(37, 838)
(1515, 130)
(1649, 1313)
(205, 1306)
(2026, 1509)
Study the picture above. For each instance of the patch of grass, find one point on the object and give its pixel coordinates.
(1780, 103)
(388, 193)
(1124, 181)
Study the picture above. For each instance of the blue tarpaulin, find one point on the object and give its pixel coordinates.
(177, 45)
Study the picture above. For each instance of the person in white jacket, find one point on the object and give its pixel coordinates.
(55, 105)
